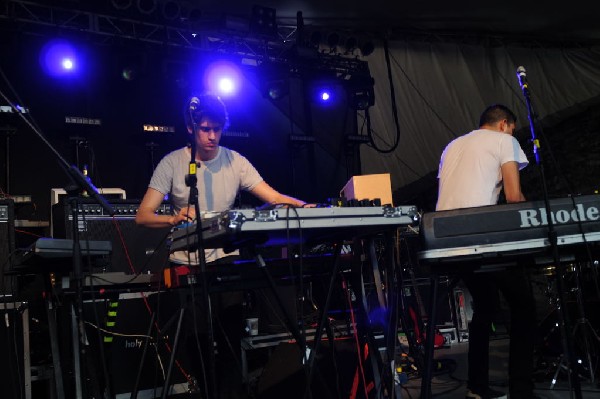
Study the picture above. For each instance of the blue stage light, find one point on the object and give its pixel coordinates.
(325, 95)
(59, 58)
(223, 78)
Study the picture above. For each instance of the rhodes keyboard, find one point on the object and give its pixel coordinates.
(237, 228)
(511, 232)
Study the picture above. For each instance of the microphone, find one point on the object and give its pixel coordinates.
(194, 103)
(522, 76)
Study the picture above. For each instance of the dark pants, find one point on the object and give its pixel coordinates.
(515, 286)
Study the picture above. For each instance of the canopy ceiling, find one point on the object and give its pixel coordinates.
(441, 86)
(548, 20)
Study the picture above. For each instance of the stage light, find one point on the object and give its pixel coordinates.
(326, 91)
(194, 15)
(333, 39)
(276, 89)
(361, 93)
(121, 4)
(59, 58)
(367, 48)
(128, 74)
(146, 6)
(323, 93)
(67, 63)
(226, 86)
(131, 65)
(171, 10)
(350, 44)
(263, 21)
(222, 77)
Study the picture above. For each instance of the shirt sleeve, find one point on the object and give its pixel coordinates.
(249, 176)
(510, 150)
(162, 178)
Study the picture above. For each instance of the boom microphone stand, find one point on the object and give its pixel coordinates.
(79, 185)
(563, 315)
(191, 181)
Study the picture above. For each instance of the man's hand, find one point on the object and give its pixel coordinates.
(186, 214)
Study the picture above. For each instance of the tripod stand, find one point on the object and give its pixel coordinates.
(583, 334)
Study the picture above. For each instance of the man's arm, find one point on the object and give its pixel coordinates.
(271, 196)
(146, 214)
(512, 182)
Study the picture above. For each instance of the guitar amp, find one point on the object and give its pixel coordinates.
(145, 247)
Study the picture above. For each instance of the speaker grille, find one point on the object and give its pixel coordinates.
(146, 248)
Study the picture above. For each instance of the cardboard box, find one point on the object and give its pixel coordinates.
(369, 187)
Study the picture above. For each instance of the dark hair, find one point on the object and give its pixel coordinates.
(208, 106)
(496, 113)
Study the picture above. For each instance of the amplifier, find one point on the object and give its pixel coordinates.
(7, 242)
(146, 247)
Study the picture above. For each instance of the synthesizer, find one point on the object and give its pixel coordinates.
(239, 227)
(52, 254)
(517, 230)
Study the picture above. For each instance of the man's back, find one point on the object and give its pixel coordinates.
(469, 173)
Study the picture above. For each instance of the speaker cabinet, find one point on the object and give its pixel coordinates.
(7, 243)
(15, 367)
(131, 365)
(145, 247)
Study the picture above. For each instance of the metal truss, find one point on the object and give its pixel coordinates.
(204, 35)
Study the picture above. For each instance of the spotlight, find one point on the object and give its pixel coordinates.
(361, 94)
(131, 66)
(276, 89)
(171, 10)
(333, 39)
(146, 6)
(315, 38)
(67, 63)
(350, 44)
(121, 4)
(263, 21)
(128, 74)
(362, 99)
(222, 77)
(59, 58)
(226, 85)
(367, 48)
(323, 93)
(194, 15)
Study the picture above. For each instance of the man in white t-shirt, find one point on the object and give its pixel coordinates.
(473, 169)
(221, 173)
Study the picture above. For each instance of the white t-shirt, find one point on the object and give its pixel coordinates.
(470, 168)
(219, 181)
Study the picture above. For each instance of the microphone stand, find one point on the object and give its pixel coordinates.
(191, 180)
(563, 315)
(79, 184)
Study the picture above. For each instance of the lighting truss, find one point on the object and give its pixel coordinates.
(205, 35)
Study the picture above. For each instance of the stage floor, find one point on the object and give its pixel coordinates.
(453, 385)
